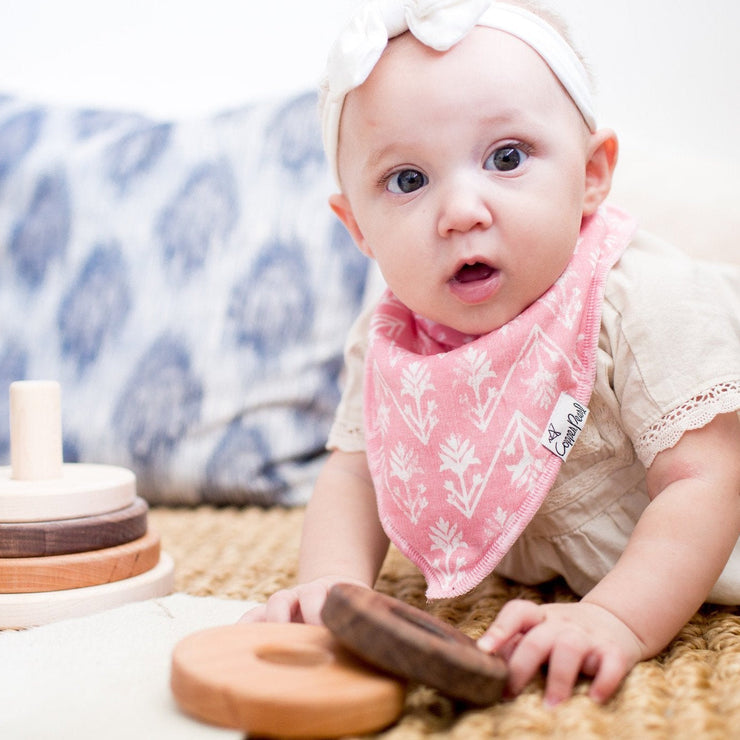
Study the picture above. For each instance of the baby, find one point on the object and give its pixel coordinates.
(543, 390)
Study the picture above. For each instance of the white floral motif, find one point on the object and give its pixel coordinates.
(390, 326)
(525, 473)
(542, 386)
(416, 381)
(383, 418)
(457, 455)
(448, 539)
(542, 356)
(475, 370)
(564, 301)
(523, 440)
(404, 464)
(571, 308)
(496, 522)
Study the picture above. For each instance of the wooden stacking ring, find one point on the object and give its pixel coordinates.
(60, 572)
(82, 490)
(409, 642)
(281, 680)
(64, 536)
(30, 610)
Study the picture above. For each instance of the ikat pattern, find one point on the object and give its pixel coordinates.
(454, 433)
(187, 284)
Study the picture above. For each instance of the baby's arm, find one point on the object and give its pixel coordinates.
(673, 559)
(342, 541)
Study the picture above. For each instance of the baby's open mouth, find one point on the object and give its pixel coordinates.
(474, 272)
(475, 282)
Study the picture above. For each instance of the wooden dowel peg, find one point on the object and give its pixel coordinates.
(35, 430)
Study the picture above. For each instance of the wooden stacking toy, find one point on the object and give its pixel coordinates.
(73, 537)
(347, 678)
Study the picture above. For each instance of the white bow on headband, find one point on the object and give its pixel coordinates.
(439, 24)
(436, 23)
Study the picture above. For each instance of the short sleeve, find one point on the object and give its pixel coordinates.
(348, 430)
(673, 325)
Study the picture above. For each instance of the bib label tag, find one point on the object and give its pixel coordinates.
(566, 423)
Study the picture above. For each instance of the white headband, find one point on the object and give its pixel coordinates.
(438, 24)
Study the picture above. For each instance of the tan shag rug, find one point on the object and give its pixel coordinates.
(692, 690)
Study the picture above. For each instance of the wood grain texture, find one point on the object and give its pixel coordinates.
(61, 572)
(412, 643)
(64, 536)
(18, 611)
(82, 490)
(281, 680)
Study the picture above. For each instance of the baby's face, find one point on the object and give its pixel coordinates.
(464, 174)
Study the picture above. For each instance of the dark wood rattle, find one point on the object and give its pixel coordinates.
(409, 642)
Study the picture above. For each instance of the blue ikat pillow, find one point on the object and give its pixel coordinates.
(187, 284)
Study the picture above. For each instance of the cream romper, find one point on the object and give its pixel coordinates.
(668, 361)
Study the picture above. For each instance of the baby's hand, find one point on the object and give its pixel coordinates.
(571, 638)
(302, 603)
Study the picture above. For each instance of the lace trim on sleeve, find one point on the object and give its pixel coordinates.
(693, 414)
(346, 437)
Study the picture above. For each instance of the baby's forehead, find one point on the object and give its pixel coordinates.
(482, 50)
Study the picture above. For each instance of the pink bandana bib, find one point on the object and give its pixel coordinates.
(465, 436)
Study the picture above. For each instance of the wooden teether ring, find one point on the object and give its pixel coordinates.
(61, 572)
(281, 680)
(64, 536)
(409, 642)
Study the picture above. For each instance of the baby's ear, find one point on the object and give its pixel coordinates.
(341, 206)
(603, 148)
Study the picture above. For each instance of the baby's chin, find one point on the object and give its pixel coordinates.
(473, 325)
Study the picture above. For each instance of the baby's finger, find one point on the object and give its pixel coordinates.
(257, 614)
(516, 617)
(506, 650)
(283, 606)
(311, 602)
(566, 659)
(530, 654)
(612, 669)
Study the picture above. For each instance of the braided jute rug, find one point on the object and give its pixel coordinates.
(691, 690)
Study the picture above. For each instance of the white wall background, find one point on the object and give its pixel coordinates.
(668, 71)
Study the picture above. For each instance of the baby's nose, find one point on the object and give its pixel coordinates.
(463, 207)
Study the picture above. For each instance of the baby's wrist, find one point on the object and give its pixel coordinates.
(622, 625)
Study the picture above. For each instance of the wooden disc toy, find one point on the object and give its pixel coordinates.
(281, 680)
(409, 642)
(60, 572)
(38, 486)
(19, 611)
(63, 536)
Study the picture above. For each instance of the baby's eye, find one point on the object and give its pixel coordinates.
(506, 158)
(406, 181)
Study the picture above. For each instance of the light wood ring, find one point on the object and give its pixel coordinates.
(18, 611)
(83, 490)
(409, 642)
(78, 570)
(281, 680)
(64, 536)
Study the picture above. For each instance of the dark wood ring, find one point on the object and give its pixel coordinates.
(67, 536)
(411, 643)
